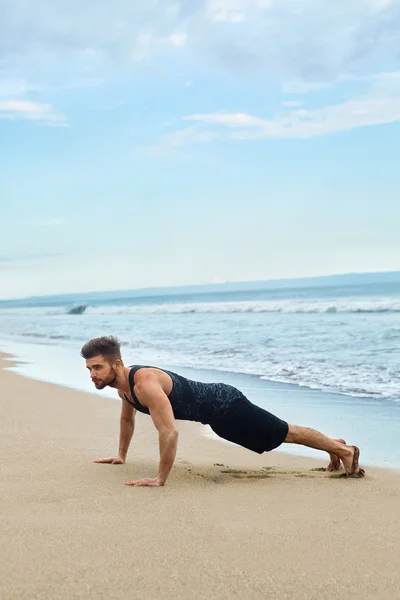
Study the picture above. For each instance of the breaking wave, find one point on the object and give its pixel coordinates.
(356, 307)
(77, 310)
(349, 306)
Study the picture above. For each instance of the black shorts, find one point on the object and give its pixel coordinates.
(251, 427)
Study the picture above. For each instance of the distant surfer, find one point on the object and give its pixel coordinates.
(167, 396)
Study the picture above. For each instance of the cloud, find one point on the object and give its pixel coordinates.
(31, 111)
(87, 35)
(305, 40)
(298, 86)
(300, 40)
(177, 39)
(10, 260)
(229, 120)
(379, 105)
(304, 45)
(49, 222)
(378, 5)
(292, 103)
(235, 11)
(305, 87)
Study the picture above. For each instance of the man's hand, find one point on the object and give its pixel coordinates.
(113, 460)
(143, 482)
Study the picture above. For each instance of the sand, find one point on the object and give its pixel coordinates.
(228, 523)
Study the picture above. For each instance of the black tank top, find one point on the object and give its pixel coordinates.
(192, 400)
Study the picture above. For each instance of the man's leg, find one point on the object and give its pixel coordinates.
(314, 439)
(334, 464)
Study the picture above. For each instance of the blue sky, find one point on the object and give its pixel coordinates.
(155, 143)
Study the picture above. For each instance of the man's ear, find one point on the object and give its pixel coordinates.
(117, 364)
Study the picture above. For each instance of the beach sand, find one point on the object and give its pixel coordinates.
(228, 523)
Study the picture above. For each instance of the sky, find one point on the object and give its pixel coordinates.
(160, 143)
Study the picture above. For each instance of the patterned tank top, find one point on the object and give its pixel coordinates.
(192, 400)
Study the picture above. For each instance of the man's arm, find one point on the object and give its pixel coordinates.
(151, 394)
(127, 427)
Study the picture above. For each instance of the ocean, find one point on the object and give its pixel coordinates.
(301, 350)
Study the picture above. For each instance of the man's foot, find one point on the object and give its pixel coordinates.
(351, 465)
(334, 465)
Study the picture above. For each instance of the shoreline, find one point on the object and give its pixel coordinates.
(228, 523)
(369, 423)
(9, 361)
(277, 383)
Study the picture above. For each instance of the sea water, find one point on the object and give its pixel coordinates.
(324, 356)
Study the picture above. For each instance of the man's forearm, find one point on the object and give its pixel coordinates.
(168, 446)
(127, 427)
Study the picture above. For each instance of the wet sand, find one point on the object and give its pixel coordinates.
(228, 524)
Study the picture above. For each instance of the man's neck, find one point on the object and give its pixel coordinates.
(122, 381)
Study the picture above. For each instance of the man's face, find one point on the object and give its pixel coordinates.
(101, 372)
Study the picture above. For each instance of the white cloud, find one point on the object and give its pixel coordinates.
(303, 40)
(177, 39)
(292, 103)
(235, 11)
(307, 45)
(378, 5)
(229, 120)
(304, 87)
(298, 86)
(32, 111)
(49, 222)
(380, 105)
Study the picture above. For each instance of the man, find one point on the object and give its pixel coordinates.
(167, 396)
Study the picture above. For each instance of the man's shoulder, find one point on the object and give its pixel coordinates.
(148, 374)
(150, 378)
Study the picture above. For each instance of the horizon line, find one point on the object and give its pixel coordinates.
(219, 285)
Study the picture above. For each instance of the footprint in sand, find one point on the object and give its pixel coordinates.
(238, 474)
(233, 471)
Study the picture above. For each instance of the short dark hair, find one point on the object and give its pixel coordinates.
(107, 346)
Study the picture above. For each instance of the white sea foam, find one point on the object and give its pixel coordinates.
(376, 305)
(366, 306)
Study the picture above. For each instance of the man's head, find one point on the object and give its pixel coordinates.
(103, 359)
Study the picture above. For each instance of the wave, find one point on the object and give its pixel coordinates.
(293, 307)
(358, 376)
(45, 336)
(77, 310)
(328, 307)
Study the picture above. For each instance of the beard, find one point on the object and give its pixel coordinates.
(111, 378)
